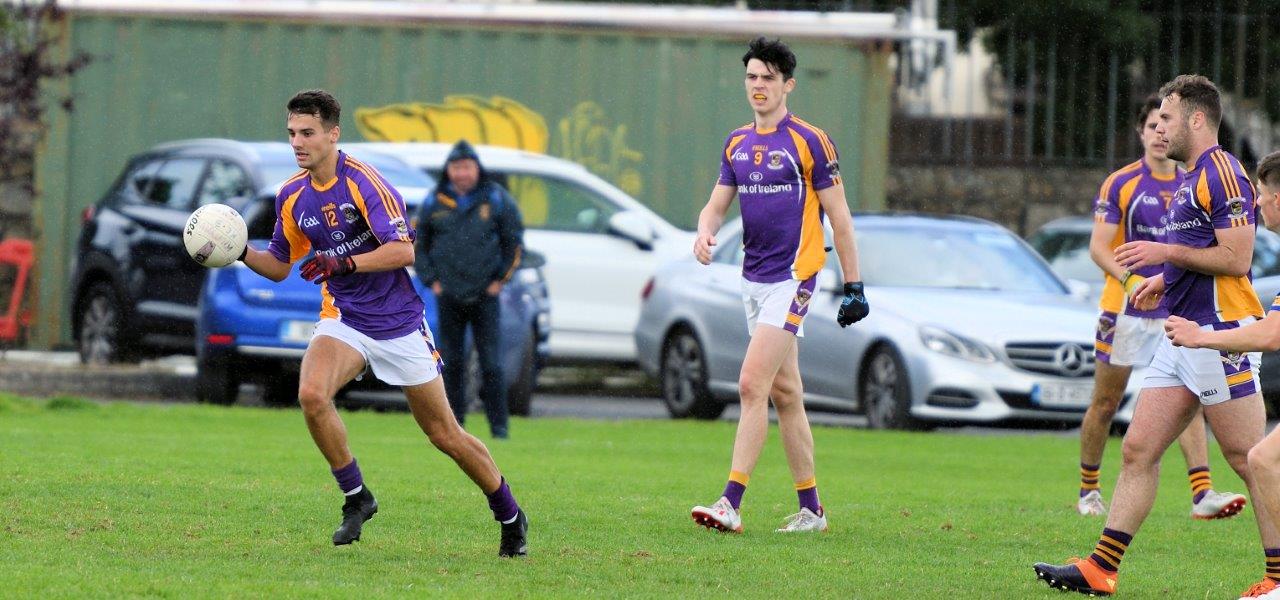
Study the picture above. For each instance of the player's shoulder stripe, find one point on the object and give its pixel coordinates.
(731, 144)
(744, 128)
(1122, 174)
(827, 147)
(1226, 175)
(1237, 171)
(818, 131)
(375, 178)
(295, 178)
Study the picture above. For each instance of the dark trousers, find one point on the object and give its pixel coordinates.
(482, 316)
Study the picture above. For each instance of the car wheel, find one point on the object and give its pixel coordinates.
(216, 382)
(684, 378)
(280, 390)
(101, 325)
(885, 391)
(520, 393)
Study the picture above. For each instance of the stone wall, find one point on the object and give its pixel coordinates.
(1020, 198)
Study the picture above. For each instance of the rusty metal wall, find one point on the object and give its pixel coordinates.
(647, 111)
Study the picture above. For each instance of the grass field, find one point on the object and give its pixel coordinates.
(185, 500)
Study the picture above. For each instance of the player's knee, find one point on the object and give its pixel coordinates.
(1262, 459)
(1140, 452)
(784, 396)
(753, 389)
(313, 399)
(1238, 458)
(1106, 403)
(449, 440)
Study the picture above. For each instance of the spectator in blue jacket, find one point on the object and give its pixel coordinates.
(470, 237)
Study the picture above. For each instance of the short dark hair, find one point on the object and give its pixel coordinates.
(1144, 110)
(317, 103)
(773, 53)
(1269, 170)
(1196, 93)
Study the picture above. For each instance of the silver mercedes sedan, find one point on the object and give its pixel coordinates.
(967, 325)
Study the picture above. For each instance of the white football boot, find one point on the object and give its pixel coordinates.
(1091, 505)
(804, 521)
(1218, 505)
(721, 516)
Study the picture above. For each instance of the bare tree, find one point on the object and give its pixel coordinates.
(29, 44)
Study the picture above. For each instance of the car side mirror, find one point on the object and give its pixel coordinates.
(530, 259)
(634, 227)
(828, 281)
(1078, 289)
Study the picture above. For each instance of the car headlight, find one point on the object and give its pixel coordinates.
(945, 342)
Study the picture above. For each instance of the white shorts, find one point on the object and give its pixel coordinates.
(1125, 340)
(1211, 375)
(404, 361)
(783, 304)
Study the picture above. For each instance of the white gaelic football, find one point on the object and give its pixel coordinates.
(215, 235)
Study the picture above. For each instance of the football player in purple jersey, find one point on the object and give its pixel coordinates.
(786, 176)
(1132, 205)
(1206, 257)
(371, 317)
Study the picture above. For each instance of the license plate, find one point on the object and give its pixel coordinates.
(298, 332)
(1062, 395)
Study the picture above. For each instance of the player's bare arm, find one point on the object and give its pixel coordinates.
(1100, 249)
(1262, 335)
(391, 255)
(1232, 256)
(266, 265)
(837, 210)
(710, 220)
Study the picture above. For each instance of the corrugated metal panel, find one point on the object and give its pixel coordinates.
(648, 112)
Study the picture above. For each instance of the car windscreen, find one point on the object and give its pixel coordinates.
(400, 176)
(1067, 253)
(942, 257)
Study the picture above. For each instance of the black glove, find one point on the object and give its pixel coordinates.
(322, 267)
(854, 307)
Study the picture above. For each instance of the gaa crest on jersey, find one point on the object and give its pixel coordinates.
(1182, 195)
(349, 213)
(775, 159)
(802, 298)
(401, 226)
(1236, 206)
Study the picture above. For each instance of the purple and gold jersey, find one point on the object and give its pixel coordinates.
(1138, 201)
(355, 213)
(1215, 194)
(777, 174)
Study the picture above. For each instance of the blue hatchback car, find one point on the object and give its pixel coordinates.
(251, 329)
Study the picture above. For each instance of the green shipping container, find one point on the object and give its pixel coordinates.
(644, 108)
